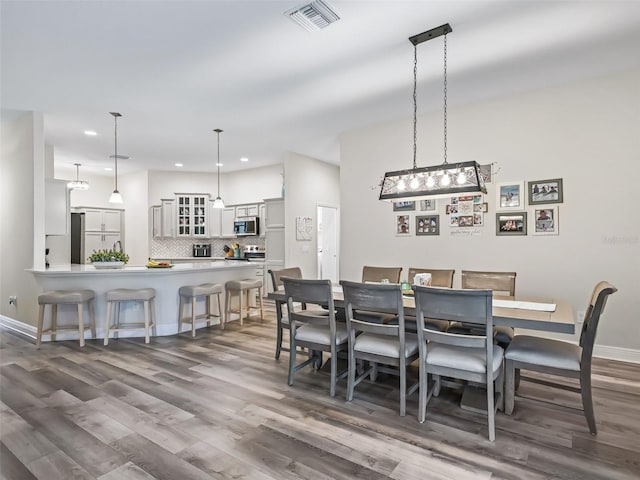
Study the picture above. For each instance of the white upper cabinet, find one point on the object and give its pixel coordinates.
(192, 215)
(163, 219)
(274, 213)
(246, 211)
(102, 220)
(228, 217)
(215, 221)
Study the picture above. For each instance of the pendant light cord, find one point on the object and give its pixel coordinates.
(218, 164)
(115, 158)
(415, 104)
(445, 98)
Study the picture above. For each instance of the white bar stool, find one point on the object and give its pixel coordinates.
(242, 288)
(145, 295)
(65, 297)
(190, 293)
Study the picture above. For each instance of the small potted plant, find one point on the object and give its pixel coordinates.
(108, 259)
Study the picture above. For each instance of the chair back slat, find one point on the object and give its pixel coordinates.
(373, 298)
(471, 341)
(276, 276)
(496, 281)
(439, 278)
(377, 274)
(595, 310)
(307, 291)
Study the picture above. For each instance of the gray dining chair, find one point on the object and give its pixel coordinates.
(282, 320)
(439, 278)
(502, 283)
(313, 329)
(377, 275)
(559, 358)
(474, 358)
(377, 343)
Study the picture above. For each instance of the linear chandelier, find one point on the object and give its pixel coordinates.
(442, 180)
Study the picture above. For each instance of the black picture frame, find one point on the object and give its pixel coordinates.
(542, 192)
(427, 225)
(511, 223)
(404, 206)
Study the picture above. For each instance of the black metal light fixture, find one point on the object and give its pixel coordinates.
(438, 181)
(115, 196)
(78, 184)
(218, 203)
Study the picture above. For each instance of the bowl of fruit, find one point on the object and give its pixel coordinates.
(155, 264)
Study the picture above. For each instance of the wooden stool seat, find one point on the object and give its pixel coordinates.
(242, 288)
(146, 296)
(192, 293)
(65, 297)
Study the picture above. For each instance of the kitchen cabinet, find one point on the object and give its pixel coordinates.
(215, 221)
(261, 218)
(227, 219)
(56, 207)
(246, 210)
(102, 219)
(163, 218)
(192, 215)
(274, 245)
(100, 241)
(274, 213)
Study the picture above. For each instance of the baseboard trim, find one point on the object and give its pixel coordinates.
(617, 353)
(18, 326)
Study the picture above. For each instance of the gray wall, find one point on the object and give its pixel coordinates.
(586, 133)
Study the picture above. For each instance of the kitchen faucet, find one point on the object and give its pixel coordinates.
(119, 244)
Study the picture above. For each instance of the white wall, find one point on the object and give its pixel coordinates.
(21, 212)
(586, 133)
(308, 183)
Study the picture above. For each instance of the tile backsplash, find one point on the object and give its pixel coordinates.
(177, 247)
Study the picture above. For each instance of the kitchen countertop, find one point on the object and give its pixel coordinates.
(88, 269)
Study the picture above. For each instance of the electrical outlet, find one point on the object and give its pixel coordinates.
(580, 316)
(13, 300)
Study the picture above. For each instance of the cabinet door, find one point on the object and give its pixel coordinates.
(93, 220)
(184, 209)
(200, 207)
(215, 221)
(112, 220)
(228, 217)
(274, 214)
(168, 222)
(109, 240)
(261, 218)
(93, 241)
(156, 221)
(247, 211)
(274, 245)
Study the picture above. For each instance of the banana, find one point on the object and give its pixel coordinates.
(152, 263)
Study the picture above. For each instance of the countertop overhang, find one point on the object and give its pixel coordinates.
(178, 268)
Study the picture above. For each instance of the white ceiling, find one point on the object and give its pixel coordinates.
(178, 69)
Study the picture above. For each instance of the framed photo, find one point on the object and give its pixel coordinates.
(480, 208)
(465, 221)
(404, 206)
(451, 209)
(545, 191)
(510, 196)
(545, 221)
(428, 205)
(428, 225)
(403, 225)
(511, 223)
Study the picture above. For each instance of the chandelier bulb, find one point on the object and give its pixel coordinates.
(414, 183)
(446, 180)
(401, 184)
(430, 181)
(462, 178)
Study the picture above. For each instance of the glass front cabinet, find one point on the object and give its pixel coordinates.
(191, 212)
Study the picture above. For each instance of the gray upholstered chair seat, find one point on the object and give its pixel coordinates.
(59, 297)
(545, 352)
(245, 284)
(320, 334)
(129, 294)
(463, 358)
(386, 345)
(200, 290)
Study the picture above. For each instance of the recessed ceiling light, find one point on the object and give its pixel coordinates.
(219, 164)
(108, 169)
(179, 165)
(244, 159)
(91, 133)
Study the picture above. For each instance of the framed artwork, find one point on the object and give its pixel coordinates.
(480, 208)
(451, 209)
(545, 191)
(511, 223)
(510, 196)
(465, 221)
(428, 205)
(545, 221)
(478, 220)
(403, 225)
(428, 225)
(404, 206)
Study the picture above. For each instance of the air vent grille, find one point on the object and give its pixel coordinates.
(313, 16)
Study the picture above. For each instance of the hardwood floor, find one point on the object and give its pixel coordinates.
(218, 406)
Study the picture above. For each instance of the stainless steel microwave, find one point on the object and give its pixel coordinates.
(246, 226)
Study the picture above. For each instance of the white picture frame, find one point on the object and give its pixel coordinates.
(510, 196)
(544, 220)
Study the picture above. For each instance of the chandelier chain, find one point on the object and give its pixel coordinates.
(445, 98)
(415, 104)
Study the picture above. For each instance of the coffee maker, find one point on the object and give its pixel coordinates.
(201, 249)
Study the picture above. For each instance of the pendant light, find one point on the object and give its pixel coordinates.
(115, 196)
(442, 180)
(218, 203)
(78, 184)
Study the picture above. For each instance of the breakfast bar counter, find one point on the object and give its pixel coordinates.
(166, 282)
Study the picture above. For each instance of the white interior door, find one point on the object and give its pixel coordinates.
(328, 243)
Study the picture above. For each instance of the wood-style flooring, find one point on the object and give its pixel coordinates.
(218, 406)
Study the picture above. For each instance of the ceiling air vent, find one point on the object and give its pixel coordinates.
(313, 16)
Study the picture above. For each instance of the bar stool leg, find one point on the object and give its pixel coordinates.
(40, 325)
(220, 311)
(208, 310)
(227, 304)
(54, 321)
(261, 305)
(193, 316)
(81, 323)
(146, 321)
(117, 320)
(153, 317)
(240, 309)
(180, 313)
(92, 319)
(107, 324)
